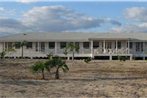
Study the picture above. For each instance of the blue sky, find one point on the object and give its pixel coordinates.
(95, 16)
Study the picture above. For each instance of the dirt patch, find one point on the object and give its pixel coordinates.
(96, 79)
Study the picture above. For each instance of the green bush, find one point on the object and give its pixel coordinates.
(122, 58)
(87, 60)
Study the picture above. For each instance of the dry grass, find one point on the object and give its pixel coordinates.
(96, 79)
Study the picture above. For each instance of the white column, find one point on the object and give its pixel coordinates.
(110, 57)
(144, 48)
(116, 43)
(82, 48)
(128, 46)
(38, 47)
(56, 48)
(91, 43)
(104, 46)
(131, 57)
(34, 46)
(4, 47)
(46, 47)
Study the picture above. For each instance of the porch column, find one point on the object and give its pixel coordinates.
(56, 47)
(144, 48)
(110, 57)
(4, 47)
(13, 45)
(128, 47)
(104, 46)
(91, 43)
(38, 47)
(46, 47)
(116, 47)
(131, 57)
(33, 46)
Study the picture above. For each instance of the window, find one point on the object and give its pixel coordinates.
(119, 45)
(108, 45)
(36, 45)
(139, 46)
(29, 45)
(51, 45)
(95, 44)
(62, 45)
(77, 44)
(10, 45)
(42, 46)
(131, 45)
(86, 45)
(17, 45)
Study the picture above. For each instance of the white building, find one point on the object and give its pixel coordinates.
(95, 45)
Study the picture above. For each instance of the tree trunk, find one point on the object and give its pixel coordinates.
(57, 73)
(43, 74)
(22, 52)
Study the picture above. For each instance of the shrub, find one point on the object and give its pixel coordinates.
(122, 58)
(87, 60)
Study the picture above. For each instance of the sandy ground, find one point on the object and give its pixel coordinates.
(99, 79)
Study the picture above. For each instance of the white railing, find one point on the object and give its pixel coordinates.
(111, 51)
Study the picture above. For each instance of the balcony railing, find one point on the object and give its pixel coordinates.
(111, 51)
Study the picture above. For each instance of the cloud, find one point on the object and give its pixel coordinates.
(52, 19)
(34, 1)
(137, 17)
(1, 9)
(136, 13)
(59, 18)
(11, 26)
(131, 28)
(6, 13)
(28, 1)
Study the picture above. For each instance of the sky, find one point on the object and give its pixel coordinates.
(25, 16)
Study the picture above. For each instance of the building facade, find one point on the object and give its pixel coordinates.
(94, 45)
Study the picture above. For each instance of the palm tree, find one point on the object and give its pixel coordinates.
(39, 67)
(21, 44)
(72, 47)
(58, 63)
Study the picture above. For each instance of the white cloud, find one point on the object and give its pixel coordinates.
(136, 13)
(6, 13)
(1, 9)
(28, 1)
(137, 17)
(52, 19)
(131, 28)
(59, 18)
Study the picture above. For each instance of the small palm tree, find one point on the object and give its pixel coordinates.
(39, 67)
(58, 63)
(21, 44)
(72, 47)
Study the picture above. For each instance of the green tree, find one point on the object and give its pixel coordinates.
(71, 47)
(39, 67)
(21, 45)
(57, 63)
(87, 60)
(2, 54)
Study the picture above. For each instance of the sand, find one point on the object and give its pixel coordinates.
(98, 79)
